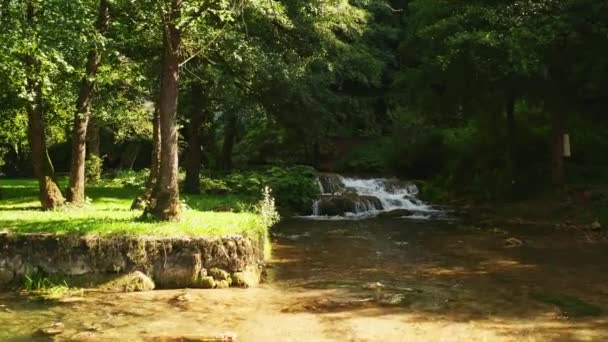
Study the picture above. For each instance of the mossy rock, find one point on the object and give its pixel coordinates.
(219, 274)
(207, 282)
(222, 284)
(132, 282)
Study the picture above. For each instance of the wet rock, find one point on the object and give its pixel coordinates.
(52, 330)
(93, 327)
(331, 183)
(596, 225)
(374, 286)
(392, 299)
(84, 336)
(207, 282)
(132, 282)
(513, 242)
(6, 276)
(340, 205)
(396, 213)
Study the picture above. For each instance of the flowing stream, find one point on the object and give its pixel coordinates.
(383, 279)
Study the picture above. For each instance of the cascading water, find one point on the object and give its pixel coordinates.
(347, 197)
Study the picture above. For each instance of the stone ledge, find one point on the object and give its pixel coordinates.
(172, 262)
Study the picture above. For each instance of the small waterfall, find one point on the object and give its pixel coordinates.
(348, 197)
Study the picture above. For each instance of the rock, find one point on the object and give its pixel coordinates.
(222, 284)
(132, 282)
(52, 330)
(6, 276)
(84, 336)
(396, 213)
(182, 298)
(245, 279)
(340, 205)
(374, 286)
(179, 271)
(513, 242)
(207, 282)
(392, 299)
(331, 183)
(219, 274)
(596, 225)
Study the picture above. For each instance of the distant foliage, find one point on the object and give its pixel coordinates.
(370, 158)
(131, 178)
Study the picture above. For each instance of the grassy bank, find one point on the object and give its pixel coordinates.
(108, 213)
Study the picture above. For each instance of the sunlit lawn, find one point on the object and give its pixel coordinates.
(108, 213)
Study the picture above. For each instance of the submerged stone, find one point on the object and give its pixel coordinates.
(52, 330)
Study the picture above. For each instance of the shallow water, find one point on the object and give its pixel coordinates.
(370, 280)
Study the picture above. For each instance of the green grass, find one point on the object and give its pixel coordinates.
(108, 213)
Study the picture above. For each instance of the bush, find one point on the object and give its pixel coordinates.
(131, 179)
(93, 168)
(295, 188)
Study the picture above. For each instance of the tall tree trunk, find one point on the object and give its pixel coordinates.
(558, 175)
(229, 137)
(50, 194)
(83, 109)
(194, 157)
(142, 201)
(511, 142)
(165, 203)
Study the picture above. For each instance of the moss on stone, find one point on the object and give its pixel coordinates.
(207, 282)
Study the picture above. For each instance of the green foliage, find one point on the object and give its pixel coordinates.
(131, 179)
(294, 188)
(369, 158)
(267, 209)
(93, 168)
(39, 282)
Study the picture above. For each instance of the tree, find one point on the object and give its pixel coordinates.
(50, 195)
(83, 108)
(164, 203)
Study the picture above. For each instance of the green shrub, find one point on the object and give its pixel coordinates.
(131, 179)
(295, 188)
(93, 168)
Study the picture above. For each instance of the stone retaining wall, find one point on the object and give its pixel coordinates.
(170, 262)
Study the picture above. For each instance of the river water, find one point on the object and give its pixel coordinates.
(366, 280)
